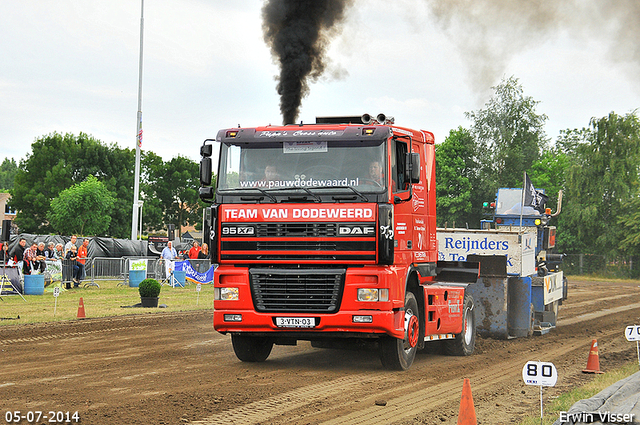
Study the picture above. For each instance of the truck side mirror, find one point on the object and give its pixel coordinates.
(206, 193)
(206, 150)
(205, 171)
(412, 165)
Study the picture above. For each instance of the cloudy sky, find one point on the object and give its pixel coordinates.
(71, 66)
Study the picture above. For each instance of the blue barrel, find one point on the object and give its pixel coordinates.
(180, 277)
(136, 276)
(33, 284)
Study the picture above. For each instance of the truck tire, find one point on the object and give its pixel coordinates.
(398, 354)
(464, 343)
(251, 348)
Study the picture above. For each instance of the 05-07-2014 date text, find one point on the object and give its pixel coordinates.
(35, 416)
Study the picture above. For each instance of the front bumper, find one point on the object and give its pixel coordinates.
(383, 317)
(382, 322)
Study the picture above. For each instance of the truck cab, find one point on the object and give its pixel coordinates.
(326, 232)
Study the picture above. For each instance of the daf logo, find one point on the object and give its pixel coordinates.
(356, 230)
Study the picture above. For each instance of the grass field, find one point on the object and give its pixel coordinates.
(107, 300)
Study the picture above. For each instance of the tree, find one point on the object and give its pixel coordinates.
(8, 170)
(601, 181)
(84, 209)
(57, 162)
(456, 172)
(510, 136)
(151, 172)
(630, 222)
(548, 173)
(175, 184)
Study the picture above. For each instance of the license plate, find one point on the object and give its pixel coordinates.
(295, 322)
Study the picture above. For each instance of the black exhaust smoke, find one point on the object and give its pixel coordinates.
(298, 33)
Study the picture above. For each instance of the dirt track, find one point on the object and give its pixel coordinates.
(174, 369)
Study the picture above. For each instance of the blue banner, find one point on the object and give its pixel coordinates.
(192, 275)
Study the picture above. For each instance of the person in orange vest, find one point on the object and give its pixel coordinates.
(83, 254)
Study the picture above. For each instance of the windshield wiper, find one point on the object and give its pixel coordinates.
(316, 197)
(257, 198)
(335, 198)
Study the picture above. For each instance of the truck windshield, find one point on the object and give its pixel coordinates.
(509, 202)
(278, 165)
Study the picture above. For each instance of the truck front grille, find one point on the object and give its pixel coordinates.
(296, 290)
(317, 242)
(310, 230)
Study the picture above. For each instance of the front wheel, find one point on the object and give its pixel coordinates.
(251, 348)
(464, 342)
(398, 354)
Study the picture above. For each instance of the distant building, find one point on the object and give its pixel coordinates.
(7, 213)
(190, 236)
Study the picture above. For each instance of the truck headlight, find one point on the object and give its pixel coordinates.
(226, 294)
(373, 294)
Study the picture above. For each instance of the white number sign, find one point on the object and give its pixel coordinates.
(56, 291)
(198, 287)
(632, 333)
(540, 373)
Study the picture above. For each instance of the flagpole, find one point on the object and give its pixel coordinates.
(524, 184)
(136, 187)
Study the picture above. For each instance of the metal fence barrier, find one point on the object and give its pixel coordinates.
(62, 271)
(117, 269)
(104, 268)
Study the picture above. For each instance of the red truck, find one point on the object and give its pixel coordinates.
(326, 232)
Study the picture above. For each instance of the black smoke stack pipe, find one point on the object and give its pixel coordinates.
(298, 33)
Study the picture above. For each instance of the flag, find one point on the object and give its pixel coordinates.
(532, 197)
(194, 276)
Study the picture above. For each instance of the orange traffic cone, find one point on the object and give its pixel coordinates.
(81, 314)
(593, 362)
(467, 414)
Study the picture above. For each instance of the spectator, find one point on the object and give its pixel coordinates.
(67, 247)
(169, 252)
(39, 264)
(50, 253)
(73, 256)
(193, 252)
(83, 254)
(59, 253)
(29, 258)
(18, 254)
(204, 252)
(203, 266)
(169, 255)
(4, 253)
